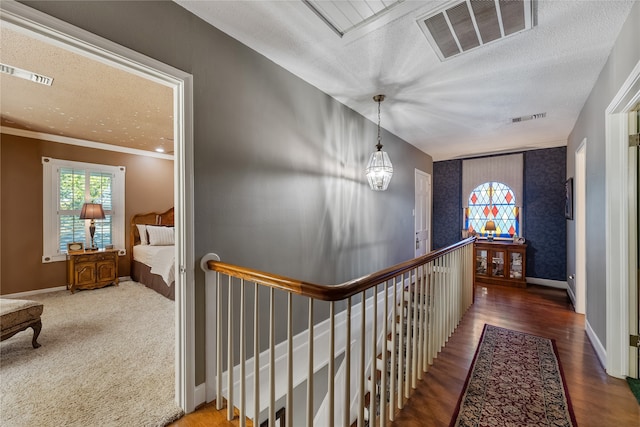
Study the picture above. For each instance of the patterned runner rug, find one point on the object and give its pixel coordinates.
(515, 379)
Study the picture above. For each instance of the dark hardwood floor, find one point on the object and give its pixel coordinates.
(598, 399)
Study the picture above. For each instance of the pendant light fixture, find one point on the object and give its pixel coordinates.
(379, 170)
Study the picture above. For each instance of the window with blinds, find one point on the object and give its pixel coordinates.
(68, 185)
(77, 186)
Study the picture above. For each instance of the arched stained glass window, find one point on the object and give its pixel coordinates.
(493, 201)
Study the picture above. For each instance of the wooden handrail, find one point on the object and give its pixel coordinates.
(331, 292)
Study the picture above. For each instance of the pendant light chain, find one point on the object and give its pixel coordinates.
(379, 146)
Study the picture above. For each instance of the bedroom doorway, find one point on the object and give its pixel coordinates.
(620, 358)
(62, 34)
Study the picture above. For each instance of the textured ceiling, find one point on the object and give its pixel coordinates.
(88, 100)
(459, 107)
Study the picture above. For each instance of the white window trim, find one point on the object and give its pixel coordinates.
(50, 191)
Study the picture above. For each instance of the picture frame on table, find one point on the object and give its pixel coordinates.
(568, 205)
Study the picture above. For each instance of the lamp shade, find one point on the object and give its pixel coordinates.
(379, 171)
(490, 226)
(92, 211)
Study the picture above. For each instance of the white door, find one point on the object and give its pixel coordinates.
(422, 213)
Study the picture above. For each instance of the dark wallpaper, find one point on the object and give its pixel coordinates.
(447, 206)
(543, 210)
(545, 226)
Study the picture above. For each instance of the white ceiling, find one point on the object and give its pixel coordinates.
(456, 108)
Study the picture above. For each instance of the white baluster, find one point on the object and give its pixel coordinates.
(347, 365)
(402, 368)
(219, 343)
(385, 331)
(289, 409)
(230, 352)
(243, 409)
(414, 336)
(272, 359)
(374, 354)
(419, 303)
(331, 367)
(394, 350)
(361, 369)
(310, 368)
(256, 356)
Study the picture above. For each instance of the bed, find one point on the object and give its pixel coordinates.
(152, 249)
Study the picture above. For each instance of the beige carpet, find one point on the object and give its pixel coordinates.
(107, 359)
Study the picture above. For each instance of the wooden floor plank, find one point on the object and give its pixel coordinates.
(598, 399)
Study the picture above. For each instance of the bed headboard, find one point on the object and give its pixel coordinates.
(151, 218)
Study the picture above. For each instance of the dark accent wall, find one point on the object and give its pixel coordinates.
(545, 226)
(447, 203)
(543, 209)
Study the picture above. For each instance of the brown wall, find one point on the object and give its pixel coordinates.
(148, 186)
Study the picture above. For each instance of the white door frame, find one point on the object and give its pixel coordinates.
(427, 208)
(580, 215)
(90, 45)
(618, 239)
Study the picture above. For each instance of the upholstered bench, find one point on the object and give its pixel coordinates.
(17, 315)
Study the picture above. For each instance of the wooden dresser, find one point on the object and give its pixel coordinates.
(501, 262)
(92, 269)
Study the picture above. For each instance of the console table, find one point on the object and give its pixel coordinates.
(500, 262)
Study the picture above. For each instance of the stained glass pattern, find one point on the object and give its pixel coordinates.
(496, 201)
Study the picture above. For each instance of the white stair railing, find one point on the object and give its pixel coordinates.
(354, 367)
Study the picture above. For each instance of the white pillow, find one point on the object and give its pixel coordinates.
(142, 230)
(160, 236)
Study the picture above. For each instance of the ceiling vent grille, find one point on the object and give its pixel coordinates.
(473, 23)
(24, 74)
(530, 117)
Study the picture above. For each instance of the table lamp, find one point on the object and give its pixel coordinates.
(92, 211)
(490, 228)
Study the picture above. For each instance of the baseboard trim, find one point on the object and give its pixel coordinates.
(20, 295)
(200, 395)
(596, 344)
(547, 282)
(572, 296)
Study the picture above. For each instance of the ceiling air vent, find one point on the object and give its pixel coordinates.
(473, 23)
(530, 117)
(27, 75)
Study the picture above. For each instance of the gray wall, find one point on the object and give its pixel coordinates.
(278, 171)
(591, 125)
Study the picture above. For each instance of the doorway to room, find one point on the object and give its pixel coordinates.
(621, 244)
(89, 45)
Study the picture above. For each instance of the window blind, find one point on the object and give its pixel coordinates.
(505, 169)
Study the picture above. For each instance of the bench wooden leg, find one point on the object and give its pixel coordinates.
(37, 327)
